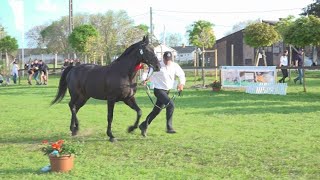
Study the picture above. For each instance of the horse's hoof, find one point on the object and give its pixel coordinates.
(74, 133)
(113, 140)
(131, 128)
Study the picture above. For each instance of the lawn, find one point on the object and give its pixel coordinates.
(221, 135)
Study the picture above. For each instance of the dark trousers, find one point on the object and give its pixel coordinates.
(284, 75)
(300, 76)
(162, 100)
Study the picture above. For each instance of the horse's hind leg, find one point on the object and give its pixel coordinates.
(75, 104)
(133, 105)
(110, 118)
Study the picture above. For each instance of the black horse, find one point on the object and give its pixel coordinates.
(112, 83)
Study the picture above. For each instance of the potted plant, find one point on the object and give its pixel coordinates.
(216, 85)
(61, 154)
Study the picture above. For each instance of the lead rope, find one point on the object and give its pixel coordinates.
(172, 98)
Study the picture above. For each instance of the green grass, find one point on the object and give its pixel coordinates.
(221, 135)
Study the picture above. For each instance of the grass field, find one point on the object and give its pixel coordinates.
(221, 135)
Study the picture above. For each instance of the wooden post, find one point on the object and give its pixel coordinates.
(232, 55)
(55, 61)
(264, 57)
(257, 57)
(202, 72)
(195, 66)
(289, 63)
(216, 62)
(102, 60)
(304, 75)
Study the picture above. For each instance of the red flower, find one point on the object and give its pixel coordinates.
(60, 142)
(56, 146)
(45, 142)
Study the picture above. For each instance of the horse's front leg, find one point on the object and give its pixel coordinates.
(133, 105)
(110, 117)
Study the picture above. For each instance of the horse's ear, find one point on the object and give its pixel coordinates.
(146, 39)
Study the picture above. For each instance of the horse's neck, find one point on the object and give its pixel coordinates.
(127, 66)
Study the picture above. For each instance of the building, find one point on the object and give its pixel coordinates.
(243, 54)
(161, 48)
(185, 54)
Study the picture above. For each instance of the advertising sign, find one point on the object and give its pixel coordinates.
(242, 76)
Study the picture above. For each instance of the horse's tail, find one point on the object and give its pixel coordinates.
(63, 85)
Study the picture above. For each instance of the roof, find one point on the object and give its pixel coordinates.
(184, 49)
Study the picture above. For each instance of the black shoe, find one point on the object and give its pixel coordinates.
(171, 131)
(143, 130)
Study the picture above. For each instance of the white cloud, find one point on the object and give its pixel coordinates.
(46, 6)
(18, 11)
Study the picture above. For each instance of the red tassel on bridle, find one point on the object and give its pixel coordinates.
(139, 66)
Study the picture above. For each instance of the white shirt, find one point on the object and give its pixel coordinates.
(283, 61)
(15, 69)
(164, 79)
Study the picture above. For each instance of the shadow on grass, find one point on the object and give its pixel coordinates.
(17, 171)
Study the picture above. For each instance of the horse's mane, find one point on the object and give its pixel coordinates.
(128, 50)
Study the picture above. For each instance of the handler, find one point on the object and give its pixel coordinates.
(163, 81)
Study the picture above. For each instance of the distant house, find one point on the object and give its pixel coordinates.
(160, 49)
(244, 55)
(185, 54)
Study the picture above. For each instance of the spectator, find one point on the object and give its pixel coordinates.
(77, 62)
(36, 72)
(284, 62)
(299, 64)
(30, 72)
(65, 64)
(1, 79)
(15, 72)
(44, 72)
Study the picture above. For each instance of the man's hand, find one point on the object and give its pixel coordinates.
(145, 82)
(180, 87)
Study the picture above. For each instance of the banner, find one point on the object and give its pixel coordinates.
(242, 76)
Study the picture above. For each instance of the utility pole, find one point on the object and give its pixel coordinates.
(151, 26)
(70, 16)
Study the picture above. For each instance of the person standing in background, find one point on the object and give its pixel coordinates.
(284, 62)
(299, 64)
(15, 72)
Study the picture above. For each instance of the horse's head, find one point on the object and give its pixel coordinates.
(148, 55)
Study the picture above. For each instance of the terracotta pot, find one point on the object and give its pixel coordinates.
(62, 163)
(216, 89)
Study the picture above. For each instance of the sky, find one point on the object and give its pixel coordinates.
(18, 16)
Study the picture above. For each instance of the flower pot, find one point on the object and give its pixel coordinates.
(216, 89)
(62, 163)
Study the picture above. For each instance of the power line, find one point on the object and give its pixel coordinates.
(227, 12)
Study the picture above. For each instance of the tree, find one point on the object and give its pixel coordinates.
(201, 34)
(94, 47)
(2, 32)
(80, 35)
(312, 9)
(172, 39)
(259, 35)
(240, 25)
(8, 44)
(303, 31)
